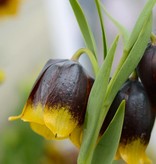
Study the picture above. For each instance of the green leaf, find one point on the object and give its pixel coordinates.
(106, 148)
(131, 61)
(140, 23)
(102, 28)
(129, 65)
(122, 29)
(94, 108)
(84, 27)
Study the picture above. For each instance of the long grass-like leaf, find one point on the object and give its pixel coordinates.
(94, 108)
(121, 28)
(84, 27)
(131, 61)
(104, 40)
(140, 23)
(106, 148)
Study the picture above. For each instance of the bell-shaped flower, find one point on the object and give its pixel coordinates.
(9, 7)
(2, 76)
(57, 103)
(147, 71)
(138, 122)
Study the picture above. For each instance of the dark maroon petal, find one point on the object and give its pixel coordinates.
(139, 117)
(147, 69)
(63, 83)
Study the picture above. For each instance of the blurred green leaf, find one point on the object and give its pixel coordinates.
(95, 108)
(84, 27)
(19, 144)
(106, 148)
(122, 29)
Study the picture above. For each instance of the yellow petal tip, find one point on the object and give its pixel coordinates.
(134, 152)
(2, 76)
(12, 118)
(76, 136)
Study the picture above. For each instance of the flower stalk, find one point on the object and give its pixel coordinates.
(90, 55)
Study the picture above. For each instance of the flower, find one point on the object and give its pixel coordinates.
(147, 71)
(9, 7)
(138, 122)
(57, 103)
(2, 76)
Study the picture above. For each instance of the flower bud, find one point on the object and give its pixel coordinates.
(138, 122)
(147, 71)
(58, 100)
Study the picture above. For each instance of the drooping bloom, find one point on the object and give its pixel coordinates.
(2, 76)
(147, 72)
(9, 7)
(57, 103)
(138, 122)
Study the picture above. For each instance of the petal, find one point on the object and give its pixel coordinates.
(117, 155)
(58, 99)
(9, 7)
(76, 136)
(2, 76)
(59, 120)
(134, 152)
(31, 113)
(42, 130)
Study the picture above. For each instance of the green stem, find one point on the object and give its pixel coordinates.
(153, 39)
(91, 56)
(84, 26)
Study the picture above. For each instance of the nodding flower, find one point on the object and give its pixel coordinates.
(147, 71)
(2, 76)
(57, 103)
(138, 123)
(9, 7)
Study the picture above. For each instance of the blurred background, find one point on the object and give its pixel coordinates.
(40, 30)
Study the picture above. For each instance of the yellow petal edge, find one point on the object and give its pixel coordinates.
(51, 123)
(76, 136)
(9, 8)
(133, 153)
(31, 113)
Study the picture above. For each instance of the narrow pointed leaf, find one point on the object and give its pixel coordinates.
(131, 61)
(94, 108)
(106, 148)
(102, 28)
(140, 23)
(84, 27)
(121, 28)
(142, 19)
